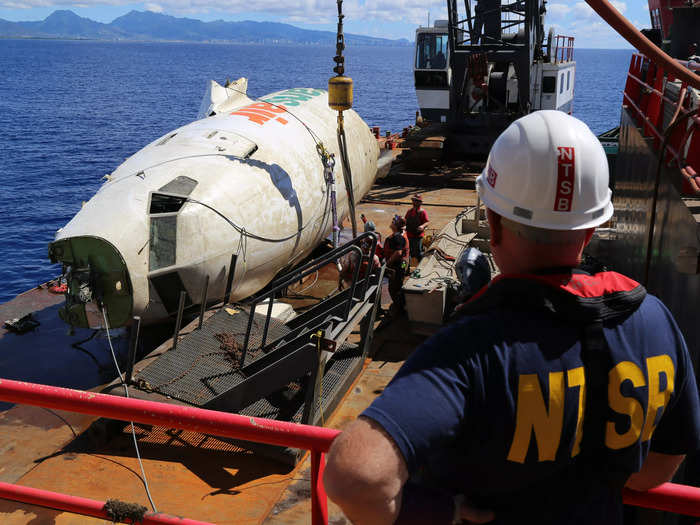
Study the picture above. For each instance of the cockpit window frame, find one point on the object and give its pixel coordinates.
(162, 231)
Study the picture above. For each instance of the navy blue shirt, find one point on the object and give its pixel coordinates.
(492, 407)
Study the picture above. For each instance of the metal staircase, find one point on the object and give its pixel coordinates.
(241, 360)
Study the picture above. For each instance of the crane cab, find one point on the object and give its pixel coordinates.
(432, 72)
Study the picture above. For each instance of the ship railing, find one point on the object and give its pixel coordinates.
(350, 251)
(563, 48)
(671, 497)
(657, 101)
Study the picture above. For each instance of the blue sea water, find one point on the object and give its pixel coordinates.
(71, 111)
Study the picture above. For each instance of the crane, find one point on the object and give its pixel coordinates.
(488, 64)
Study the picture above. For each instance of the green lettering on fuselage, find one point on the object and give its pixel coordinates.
(293, 97)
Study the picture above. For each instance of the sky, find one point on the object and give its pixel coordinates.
(379, 18)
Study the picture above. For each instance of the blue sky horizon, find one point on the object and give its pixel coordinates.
(390, 19)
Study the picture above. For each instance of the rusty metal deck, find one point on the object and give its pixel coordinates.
(191, 474)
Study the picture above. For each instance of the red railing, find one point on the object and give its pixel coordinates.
(87, 507)
(671, 497)
(306, 437)
(564, 48)
(647, 95)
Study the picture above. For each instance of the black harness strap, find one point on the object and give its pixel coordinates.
(589, 314)
(597, 362)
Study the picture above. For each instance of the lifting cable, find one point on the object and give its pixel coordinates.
(340, 99)
(126, 392)
(328, 160)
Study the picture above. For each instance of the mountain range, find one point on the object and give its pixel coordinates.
(150, 26)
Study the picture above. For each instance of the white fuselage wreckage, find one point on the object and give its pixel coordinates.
(245, 180)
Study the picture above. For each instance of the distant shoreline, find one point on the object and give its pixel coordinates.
(207, 42)
(147, 26)
(239, 43)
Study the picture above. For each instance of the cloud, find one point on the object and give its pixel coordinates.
(579, 20)
(558, 10)
(582, 9)
(620, 6)
(307, 11)
(571, 18)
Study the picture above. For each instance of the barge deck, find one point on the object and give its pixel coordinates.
(189, 474)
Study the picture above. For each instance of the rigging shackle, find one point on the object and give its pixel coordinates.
(340, 86)
(340, 99)
(339, 60)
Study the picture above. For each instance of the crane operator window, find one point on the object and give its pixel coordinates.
(431, 51)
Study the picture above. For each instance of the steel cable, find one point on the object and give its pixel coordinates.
(126, 392)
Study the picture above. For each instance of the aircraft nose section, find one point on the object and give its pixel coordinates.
(98, 281)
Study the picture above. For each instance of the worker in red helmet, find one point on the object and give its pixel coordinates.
(416, 222)
(395, 252)
(552, 391)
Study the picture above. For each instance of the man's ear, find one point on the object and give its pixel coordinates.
(494, 220)
(589, 236)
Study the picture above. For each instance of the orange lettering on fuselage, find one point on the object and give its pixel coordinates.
(262, 112)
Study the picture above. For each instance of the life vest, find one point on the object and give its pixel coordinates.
(568, 294)
(388, 251)
(588, 301)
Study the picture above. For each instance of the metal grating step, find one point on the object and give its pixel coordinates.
(288, 405)
(199, 369)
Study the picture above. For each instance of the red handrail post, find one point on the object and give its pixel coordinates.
(316, 439)
(572, 47)
(670, 497)
(319, 500)
(629, 84)
(223, 424)
(654, 107)
(77, 505)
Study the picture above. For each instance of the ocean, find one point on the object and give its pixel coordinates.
(72, 111)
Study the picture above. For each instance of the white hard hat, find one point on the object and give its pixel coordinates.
(548, 170)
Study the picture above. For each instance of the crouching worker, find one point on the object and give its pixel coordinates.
(351, 260)
(552, 391)
(370, 227)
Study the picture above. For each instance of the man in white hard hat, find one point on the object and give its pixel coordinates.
(552, 390)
